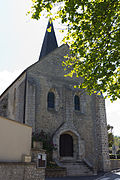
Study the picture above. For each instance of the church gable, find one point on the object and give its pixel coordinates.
(51, 64)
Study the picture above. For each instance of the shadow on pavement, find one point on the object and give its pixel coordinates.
(114, 175)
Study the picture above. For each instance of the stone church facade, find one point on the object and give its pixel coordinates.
(45, 99)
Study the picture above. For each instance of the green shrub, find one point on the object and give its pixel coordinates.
(48, 145)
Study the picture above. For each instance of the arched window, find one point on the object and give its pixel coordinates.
(51, 100)
(77, 102)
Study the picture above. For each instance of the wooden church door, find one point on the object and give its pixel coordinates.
(66, 145)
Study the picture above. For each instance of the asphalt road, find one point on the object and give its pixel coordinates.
(73, 178)
(114, 175)
(77, 178)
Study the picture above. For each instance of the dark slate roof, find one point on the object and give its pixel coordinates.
(50, 42)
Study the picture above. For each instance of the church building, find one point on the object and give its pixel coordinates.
(45, 99)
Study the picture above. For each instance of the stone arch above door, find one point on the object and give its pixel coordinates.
(78, 143)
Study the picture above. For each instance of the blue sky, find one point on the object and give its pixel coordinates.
(20, 43)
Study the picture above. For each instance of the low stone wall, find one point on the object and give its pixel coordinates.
(115, 164)
(55, 172)
(21, 171)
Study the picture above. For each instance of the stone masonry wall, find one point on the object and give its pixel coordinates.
(21, 171)
(101, 135)
(30, 104)
(4, 106)
(12, 100)
(115, 164)
(20, 100)
(57, 172)
(48, 75)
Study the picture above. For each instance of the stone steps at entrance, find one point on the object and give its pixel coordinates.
(77, 168)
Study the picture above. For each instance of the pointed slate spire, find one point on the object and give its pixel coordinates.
(50, 42)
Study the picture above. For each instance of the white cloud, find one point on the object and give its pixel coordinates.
(7, 77)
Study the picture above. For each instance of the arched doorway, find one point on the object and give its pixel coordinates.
(66, 145)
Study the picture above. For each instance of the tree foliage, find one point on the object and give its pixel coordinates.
(117, 141)
(110, 135)
(94, 40)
